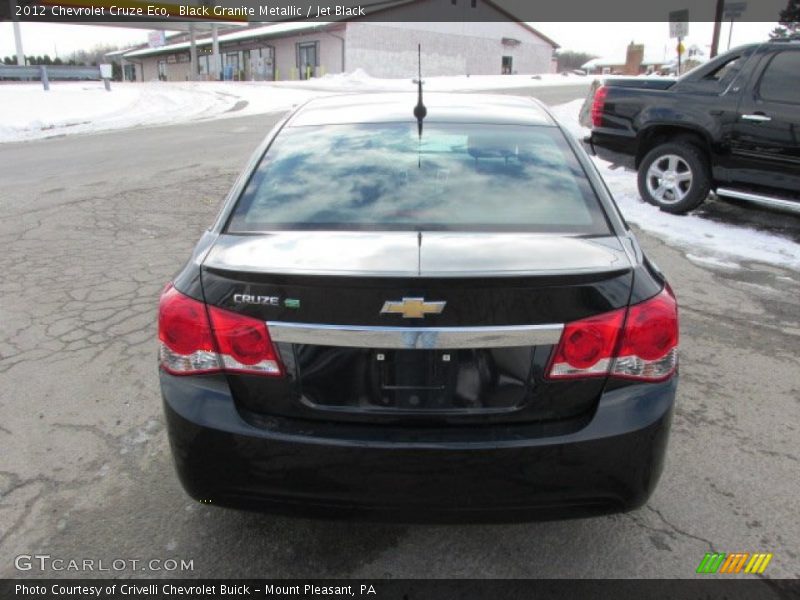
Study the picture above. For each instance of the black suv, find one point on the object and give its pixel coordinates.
(731, 125)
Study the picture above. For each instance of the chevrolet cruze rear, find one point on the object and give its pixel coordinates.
(431, 320)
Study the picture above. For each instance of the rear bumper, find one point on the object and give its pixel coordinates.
(619, 152)
(504, 473)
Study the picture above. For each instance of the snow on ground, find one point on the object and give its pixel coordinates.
(360, 80)
(28, 112)
(708, 242)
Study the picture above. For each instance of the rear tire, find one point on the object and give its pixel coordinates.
(675, 177)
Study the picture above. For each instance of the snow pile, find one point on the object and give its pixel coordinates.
(68, 108)
(361, 80)
(708, 241)
(357, 77)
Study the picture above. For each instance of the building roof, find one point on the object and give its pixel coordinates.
(274, 29)
(389, 4)
(652, 57)
(649, 59)
(535, 31)
(398, 107)
(285, 27)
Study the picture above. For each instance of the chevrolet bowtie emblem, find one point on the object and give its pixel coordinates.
(412, 308)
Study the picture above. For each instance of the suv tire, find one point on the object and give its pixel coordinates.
(675, 177)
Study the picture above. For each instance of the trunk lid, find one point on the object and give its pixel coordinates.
(356, 320)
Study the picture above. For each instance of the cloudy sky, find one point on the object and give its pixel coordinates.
(602, 39)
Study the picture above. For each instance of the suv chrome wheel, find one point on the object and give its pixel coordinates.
(669, 179)
(674, 176)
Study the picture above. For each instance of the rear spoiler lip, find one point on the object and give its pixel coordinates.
(452, 255)
(605, 270)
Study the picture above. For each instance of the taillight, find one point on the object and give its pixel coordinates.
(640, 343)
(244, 343)
(186, 344)
(198, 339)
(587, 346)
(598, 105)
(649, 347)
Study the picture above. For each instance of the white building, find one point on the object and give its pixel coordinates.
(486, 44)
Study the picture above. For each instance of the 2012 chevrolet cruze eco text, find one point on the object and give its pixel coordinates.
(419, 314)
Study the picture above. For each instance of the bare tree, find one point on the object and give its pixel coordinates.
(567, 60)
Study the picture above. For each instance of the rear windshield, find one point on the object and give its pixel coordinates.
(383, 176)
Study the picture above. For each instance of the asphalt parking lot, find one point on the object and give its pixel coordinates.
(92, 228)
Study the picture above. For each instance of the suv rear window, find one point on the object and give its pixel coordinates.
(379, 176)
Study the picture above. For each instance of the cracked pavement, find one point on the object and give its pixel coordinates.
(92, 228)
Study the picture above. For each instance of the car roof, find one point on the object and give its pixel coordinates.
(442, 108)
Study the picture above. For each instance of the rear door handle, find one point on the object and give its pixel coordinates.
(757, 117)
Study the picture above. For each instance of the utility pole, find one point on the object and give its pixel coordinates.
(730, 34)
(12, 6)
(192, 53)
(718, 12)
(217, 64)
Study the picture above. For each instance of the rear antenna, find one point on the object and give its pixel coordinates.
(420, 112)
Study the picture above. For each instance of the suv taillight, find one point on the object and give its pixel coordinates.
(194, 339)
(598, 105)
(638, 343)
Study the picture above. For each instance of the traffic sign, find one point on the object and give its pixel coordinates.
(679, 23)
(734, 10)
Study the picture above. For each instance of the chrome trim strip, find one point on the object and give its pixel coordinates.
(770, 201)
(363, 336)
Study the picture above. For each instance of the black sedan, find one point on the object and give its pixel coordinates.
(419, 314)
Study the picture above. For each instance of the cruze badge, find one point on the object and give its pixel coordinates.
(265, 300)
(412, 308)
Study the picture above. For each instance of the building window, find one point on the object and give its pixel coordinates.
(508, 65)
